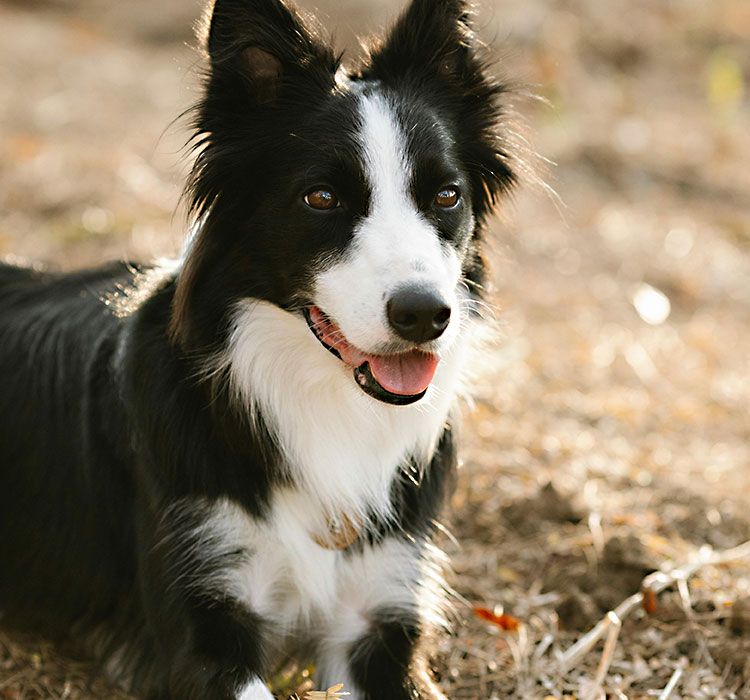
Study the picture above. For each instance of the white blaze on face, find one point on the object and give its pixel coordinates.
(392, 247)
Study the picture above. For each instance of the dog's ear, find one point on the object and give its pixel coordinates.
(432, 49)
(432, 35)
(256, 47)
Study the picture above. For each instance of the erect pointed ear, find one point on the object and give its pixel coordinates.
(430, 34)
(256, 46)
(432, 44)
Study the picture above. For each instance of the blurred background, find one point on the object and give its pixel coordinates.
(610, 433)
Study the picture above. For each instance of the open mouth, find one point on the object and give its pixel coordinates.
(399, 378)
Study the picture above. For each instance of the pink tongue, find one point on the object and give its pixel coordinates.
(407, 373)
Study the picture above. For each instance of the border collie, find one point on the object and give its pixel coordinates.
(211, 465)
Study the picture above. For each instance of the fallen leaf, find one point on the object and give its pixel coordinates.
(505, 622)
(649, 601)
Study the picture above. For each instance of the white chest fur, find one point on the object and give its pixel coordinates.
(342, 449)
(299, 586)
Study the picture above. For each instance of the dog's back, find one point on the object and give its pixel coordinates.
(58, 530)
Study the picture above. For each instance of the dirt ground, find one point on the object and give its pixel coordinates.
(610, 434)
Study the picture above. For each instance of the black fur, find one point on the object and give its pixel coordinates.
(108, 421)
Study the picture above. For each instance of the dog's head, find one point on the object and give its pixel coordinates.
(353, 199)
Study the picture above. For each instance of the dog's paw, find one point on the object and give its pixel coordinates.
(255, 690)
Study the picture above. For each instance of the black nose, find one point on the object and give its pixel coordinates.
(418, 314)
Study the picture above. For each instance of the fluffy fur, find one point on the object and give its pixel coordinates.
(175, 440)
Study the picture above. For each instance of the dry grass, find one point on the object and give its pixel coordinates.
(32, 669)
(623, 376)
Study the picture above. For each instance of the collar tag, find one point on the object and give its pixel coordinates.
(342, 533)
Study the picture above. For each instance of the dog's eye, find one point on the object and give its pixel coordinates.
(447, 197)
(321, 199)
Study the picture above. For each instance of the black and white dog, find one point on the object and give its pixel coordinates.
(208, 464)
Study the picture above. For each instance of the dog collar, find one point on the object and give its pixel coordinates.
(342, 533)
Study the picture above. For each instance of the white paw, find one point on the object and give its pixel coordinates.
(255, 690)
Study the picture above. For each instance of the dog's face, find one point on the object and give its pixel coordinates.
(351, 199)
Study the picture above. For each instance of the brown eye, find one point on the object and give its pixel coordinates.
(323, 200)
(447, 198)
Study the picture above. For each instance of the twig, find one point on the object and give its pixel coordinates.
(687, 604)
(656, 583)
(615, 625)
(672, 682)
(586, 643)
(597, 534)
(333, 693)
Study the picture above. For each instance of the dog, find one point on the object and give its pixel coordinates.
(212, 464)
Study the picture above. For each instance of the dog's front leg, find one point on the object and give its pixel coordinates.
(210, 650)
(388, 663)
(207, 645)
(392, 599)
